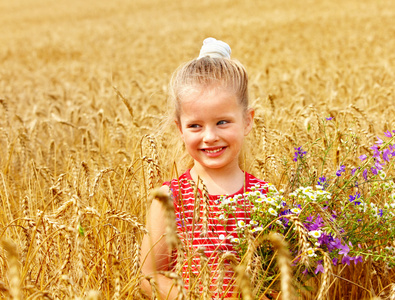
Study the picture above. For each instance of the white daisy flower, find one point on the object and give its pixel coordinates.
(235, 240)
(296, 210)
(311, 196)
(253, 223)
(315, 233)
(259, 200)
(270, 201)
(241, 224)
(311, 252)
(272, 212)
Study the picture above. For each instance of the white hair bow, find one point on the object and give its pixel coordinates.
(215, 49)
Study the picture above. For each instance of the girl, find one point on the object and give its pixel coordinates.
(212, 114)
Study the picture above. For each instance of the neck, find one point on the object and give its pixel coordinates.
(221, 181)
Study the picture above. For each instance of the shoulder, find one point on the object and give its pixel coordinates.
(180, 188)
(178, 183)
(252, 180)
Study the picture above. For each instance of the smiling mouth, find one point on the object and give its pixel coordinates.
(214, 151)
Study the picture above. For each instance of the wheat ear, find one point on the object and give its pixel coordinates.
(325, 279)
(226, 256)
(392, 292)
(205, 273)
(206, 205)
(172, 238)
(178, 282)
(243, 282)
(302, 236)
(284, 264)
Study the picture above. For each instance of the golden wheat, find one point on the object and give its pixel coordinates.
(83, 91)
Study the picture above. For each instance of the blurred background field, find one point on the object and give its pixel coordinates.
(65, 131)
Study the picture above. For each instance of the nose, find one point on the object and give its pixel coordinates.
(210, 135)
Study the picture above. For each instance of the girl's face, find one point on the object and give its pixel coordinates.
(213, 125)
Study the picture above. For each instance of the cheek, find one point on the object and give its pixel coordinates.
(189, 140)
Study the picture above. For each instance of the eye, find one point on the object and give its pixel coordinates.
(222, 122)
(193, 125)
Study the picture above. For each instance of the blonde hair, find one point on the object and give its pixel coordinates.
(206, 72)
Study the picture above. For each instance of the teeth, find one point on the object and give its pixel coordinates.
(214, 151)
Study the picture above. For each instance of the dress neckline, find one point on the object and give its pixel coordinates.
(240, 191)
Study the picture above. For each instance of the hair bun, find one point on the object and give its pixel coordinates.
(214, 49)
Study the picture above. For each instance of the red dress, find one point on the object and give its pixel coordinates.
(217, 240)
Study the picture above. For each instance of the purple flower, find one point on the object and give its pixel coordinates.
(299, 153)
(362, 157)
(376, 153)
(378, 165)
(320, 268)
(329, 118)
(365, 174)
(386, 154)
(336, 244)
(388, 134)
(379, 141)
(346, 260)
(354, 198)
(380, 212)
(334, 261)
(392, 147)
(374, 170)
(344, 249)
(306, 271)
(341, 170)
(323, 181)
(309, 219)
(358, 259)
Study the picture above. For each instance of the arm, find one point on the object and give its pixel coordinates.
(155, 254)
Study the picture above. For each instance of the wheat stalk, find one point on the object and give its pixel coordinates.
(14, 278)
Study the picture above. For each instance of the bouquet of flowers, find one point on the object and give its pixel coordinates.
(345, 218)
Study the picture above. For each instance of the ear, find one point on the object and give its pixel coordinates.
(249, 120)
(178, 124)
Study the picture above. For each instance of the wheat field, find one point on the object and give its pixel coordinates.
(85, 133)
